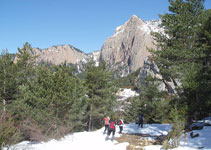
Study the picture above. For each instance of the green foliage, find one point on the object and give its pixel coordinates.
(150, 102)
(177, 121)
(8, 84)
(53, 99)
(203, 77)
(8, 132)
(184, 54)
(100, 93)
(25, 63)
(128, 81)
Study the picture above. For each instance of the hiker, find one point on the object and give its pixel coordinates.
(106, 123)
(120, 123)
(112, 128)
(140, 120)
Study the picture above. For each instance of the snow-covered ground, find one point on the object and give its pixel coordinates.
(97, 140)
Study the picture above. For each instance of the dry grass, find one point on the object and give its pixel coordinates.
(136, 142)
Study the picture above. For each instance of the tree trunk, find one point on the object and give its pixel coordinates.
(4, 94)
(90, 117)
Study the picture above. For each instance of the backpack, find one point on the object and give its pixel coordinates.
(112, 125)
(106, 121)
(141, 117)
(119, 122)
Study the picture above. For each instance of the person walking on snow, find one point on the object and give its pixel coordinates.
(120, 123)
(112, 128)
(106, 123)
(140, 120)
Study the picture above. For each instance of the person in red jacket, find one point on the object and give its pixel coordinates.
(106, 123)
(120, 123)
(112, 128)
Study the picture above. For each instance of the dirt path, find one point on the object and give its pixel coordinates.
(137, 141)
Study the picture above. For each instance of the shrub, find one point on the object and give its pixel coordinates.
(177, 128)
(9, 134)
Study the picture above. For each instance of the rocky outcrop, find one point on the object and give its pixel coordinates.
(150, 68)
(80, 64)
(128, 47)
(64, 53)
(59, 54)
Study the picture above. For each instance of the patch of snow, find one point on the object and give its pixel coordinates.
(84, 60)
(78, 141)
(119, 28)
(124, 94)
(152, 129)
(151, 26)
(207, 120)
(118, 32)
(203, 140)
(148, 138)
(97, 64)
(95, 56)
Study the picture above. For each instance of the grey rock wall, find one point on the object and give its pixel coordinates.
(129, 45)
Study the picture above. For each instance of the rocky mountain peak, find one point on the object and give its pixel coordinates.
(135, 19)
(133, 22)
(128, 46)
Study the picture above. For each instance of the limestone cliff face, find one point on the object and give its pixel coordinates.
(150, 68)
(59, 54)
(129, 45)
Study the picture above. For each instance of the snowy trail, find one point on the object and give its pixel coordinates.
(77, 141)
(96, 140)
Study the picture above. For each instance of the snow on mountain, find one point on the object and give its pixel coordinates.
(152, 26)
(95, 56)
(146, 26)
(118, 30)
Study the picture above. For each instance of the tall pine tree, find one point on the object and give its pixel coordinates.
(25, 63)
(100, 92)
(178, 50)
(7, 82)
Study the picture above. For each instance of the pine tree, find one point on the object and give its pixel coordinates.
(151, 103)
(203, 78)
(100, 92)
(178, 50)
(54, 101)
(25, 63)
(176, 47)
(7, 82)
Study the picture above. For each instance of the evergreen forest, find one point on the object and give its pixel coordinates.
(42, 101)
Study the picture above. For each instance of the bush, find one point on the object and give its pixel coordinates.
(9, 134)
(31, 131)
(177, 128)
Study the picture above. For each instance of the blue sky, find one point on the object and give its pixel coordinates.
(85, 24)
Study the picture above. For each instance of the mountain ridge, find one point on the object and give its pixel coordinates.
(126, 48)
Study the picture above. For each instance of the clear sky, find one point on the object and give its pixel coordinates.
(85, 24)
